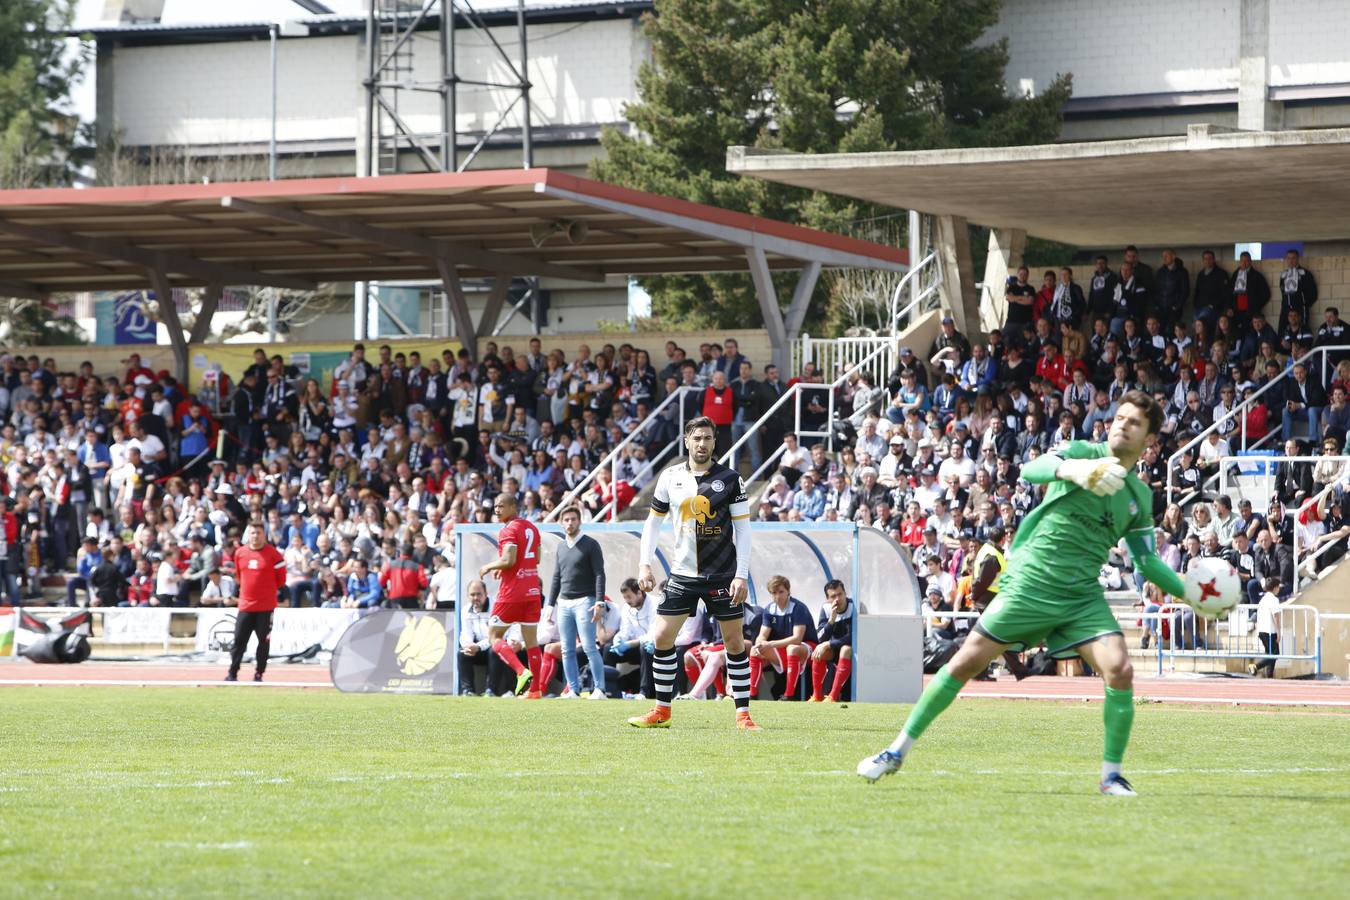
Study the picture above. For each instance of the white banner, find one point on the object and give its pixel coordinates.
(136, 625)
(292, 629)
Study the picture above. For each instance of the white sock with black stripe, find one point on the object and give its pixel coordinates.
(664, 666)
(738, 678)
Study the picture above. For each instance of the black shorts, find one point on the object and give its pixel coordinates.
(683, 594)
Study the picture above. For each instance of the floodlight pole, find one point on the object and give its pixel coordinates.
(272, 144)
(526, 140)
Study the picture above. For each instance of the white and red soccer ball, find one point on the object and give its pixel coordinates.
(1212, 587)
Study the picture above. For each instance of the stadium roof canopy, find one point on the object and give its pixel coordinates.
(299, 233)
(1209, 186)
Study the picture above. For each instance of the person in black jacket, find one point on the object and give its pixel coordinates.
(1172, 288)
(1102, 291)
(1304, 399)
(749, 407)
(1212, 294)
(1067, 305)
(578, 584)
(1248, 291)
(1298, 288)
(834, 628)
(1292, 479)
(108, 583)
(1131, 299)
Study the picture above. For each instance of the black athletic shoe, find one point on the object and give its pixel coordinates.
(257, 676)
(230, 676)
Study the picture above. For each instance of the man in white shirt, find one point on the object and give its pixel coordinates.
(442, 592)
(959, 464)
(634, 643)
(869, 442)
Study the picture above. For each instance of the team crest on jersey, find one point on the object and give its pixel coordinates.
(719, 486)
(696, 508)
(1134, 508)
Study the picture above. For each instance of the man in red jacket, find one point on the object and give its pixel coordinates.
(261, 572)
(404, 580)
(719, 404)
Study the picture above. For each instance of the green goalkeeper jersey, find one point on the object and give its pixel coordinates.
(1061, 545)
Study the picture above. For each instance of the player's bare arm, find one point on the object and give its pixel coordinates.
(501, 563)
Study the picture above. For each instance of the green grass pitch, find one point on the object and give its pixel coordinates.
(177, 792)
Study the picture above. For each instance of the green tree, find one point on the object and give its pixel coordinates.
(817, 77)
(41, 139)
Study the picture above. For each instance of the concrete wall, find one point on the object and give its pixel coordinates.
(220, 93)
(1122, 47)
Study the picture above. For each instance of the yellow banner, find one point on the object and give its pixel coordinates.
(315, 359)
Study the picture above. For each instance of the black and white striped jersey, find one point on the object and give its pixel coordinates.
(702, 509)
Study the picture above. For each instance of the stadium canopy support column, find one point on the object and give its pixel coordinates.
(1006, 247)
(168, 314)
(768, 306)
(801, 300)
(492, 311)
(958, 280)
(201, 328)
(459, 307)
(1256, 112)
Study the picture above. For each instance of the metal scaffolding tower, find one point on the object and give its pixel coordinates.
(390, 29)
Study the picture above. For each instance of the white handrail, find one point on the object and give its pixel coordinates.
(896, 312)
(1241, 409)
(611, 458)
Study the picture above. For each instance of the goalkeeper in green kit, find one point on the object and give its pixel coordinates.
(1050, 592)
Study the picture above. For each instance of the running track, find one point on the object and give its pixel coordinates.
(1177, 689)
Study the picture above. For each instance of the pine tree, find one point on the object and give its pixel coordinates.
(40, 135)
(814, 76)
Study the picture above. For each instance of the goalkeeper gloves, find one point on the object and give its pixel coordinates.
(1102, 477)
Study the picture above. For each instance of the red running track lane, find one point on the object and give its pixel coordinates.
(20, 673)
(1176, 689)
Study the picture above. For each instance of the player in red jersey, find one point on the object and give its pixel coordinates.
(262, 574)
(519, 599)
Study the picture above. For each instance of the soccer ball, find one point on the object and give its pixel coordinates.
(1212, 587)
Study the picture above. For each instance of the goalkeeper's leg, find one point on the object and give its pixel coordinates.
(973, 658)
(1109, 656)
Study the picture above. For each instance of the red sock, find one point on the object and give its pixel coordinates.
(794, 671)
(756, 669)
(536, 658)
(502, 649)
(691, 670)
(818, 667)
(547, 666)
(842, 668)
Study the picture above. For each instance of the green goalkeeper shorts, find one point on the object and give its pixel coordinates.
(1063, 624)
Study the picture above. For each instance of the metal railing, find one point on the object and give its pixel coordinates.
(1240, 410)
(833, 354)
(795, 393)
(1267, 465)
(918, 271)
(1235, 637)
(611, 458)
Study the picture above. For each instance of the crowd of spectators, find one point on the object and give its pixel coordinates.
(139, 492)
(937, 452)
